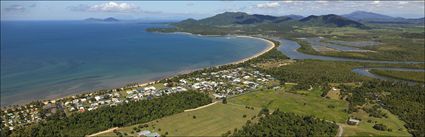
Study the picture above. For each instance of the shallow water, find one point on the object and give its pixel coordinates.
(47, 59)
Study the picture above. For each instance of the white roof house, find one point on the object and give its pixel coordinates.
(98, 98)
(353, 121)
(144, 133)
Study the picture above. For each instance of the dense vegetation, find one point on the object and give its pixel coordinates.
(316, 72)
(404, 75)
(286, 124)
(407, 102)
(107, 117)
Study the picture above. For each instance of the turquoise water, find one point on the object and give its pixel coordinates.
(47, 59)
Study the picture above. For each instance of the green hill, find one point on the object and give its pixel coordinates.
(331, 20)
(244, 19)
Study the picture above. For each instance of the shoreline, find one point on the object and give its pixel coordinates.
(270, 45)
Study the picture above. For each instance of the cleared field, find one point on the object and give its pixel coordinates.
(210, 121)
(366, 129)
(311, 103)
(404, 75)
(305, 104)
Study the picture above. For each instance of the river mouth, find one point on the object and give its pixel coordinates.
(289, 48)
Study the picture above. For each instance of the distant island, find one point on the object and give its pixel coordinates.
(110, 19)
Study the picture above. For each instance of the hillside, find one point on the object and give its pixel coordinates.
(363, 15)
(331, 20)
(370, 17)
(235, 18)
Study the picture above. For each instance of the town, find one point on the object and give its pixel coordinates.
(219, 84)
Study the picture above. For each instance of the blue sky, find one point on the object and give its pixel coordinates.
(177, 10)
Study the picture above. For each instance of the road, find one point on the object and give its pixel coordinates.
(340, 131)
(102, 132)
(187, 110)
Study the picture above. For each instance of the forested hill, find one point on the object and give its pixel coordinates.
(243, 19)
(331, 20)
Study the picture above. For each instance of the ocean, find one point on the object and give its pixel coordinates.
(49, 59)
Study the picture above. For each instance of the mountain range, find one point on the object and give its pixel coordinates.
(241, 18)
(370, 17)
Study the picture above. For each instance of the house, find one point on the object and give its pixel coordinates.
(183, 81)
(150, 88)
(144, 133)
(353, 121)
(153, 135)
(81, 109)
(98, 98)
(217, 96)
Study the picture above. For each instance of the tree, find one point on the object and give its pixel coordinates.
(224, 101)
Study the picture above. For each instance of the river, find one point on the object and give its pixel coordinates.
(289, 48)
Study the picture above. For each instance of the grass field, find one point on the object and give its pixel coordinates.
(313, 104)
(306, 104)
(210, 121)
(366, 129)
(404, 75)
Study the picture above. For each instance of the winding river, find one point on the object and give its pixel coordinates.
(289, 48)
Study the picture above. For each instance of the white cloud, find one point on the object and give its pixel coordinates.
(114, 7)
(15, 8)
(403, 2)
(322, 1)
(107, 7)
(376, 2)
(268, 5)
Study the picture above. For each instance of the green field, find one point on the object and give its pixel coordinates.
(305, 104)
(404, 75)
(313, 104)
(210, 121)
(366, 129)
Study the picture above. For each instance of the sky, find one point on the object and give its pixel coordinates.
(178, 10)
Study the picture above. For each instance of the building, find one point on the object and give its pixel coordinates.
(353, 121)
(153, 135)
(144, 133)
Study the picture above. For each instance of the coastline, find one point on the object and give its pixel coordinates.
(270, 45)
